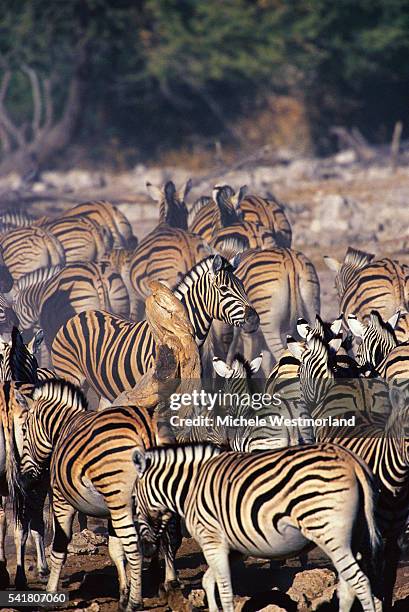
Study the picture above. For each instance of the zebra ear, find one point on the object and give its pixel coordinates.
(332, 264)
(185, 189)
(256, 363)
(154, 192)
(21, 401)
(337, 324)
(297, 349)
(140, 461)
(303, 328)
(356, 327)
(221, 368)
(35, 343)
(239, 197)
(393, 321)
(217, 263)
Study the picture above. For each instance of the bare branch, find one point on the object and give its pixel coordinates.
(48, 103)
(5, 140)
(5, 119)
(37, 105)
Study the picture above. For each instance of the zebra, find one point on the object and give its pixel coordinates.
(380, 440)
(380, 353)
(80, 287)
(112, 353)
(90, 456)
(168, 252)
(172, 202)
(365, 284)
(28, 293)
(82, 238)
(8, 315)
(269, 504)
(229, 224)
(10, 219)
(206, 213)
(377, 340)
(28, 248)
(275, 411)
(107, 216)
(265, 275)
(268, 212)
(27, 510)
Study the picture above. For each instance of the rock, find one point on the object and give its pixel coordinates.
(197, 598)
(86, 542)
(240, 604)
(178, 603)
(348, 156)
(312, 588)
(94, 607)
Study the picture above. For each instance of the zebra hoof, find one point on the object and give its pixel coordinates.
(173, 585)
(4, 576)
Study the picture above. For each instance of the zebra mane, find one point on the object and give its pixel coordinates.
(38, 276)
(198, 205)
(243, 362)
(194, 274)
(61, 391)
(231, 246)
(357, 258)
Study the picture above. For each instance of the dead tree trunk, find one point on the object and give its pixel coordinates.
(27, 148)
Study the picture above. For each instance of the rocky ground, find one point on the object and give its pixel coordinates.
(331, 204)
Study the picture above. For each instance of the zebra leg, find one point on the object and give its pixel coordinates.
(37, 529)
(171, 541)
(20, 539)
(209, 585)
(217, 557)
(124, 528)
(4, 575)
(116, 552)
(63, 519)
(352, 579)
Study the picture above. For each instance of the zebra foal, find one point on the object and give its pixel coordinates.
(270, 504)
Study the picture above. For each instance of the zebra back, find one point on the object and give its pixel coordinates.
(269, 213)
(82, 239)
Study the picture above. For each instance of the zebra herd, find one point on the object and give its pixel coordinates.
(79, 282)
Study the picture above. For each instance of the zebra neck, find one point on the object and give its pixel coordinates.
(56, 428)
(195, 293)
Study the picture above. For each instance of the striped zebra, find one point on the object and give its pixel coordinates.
(268, 212)
(107, 216)
(12, 218)
(28, 248)
(229, 225)
(269, 504)
(77, 288)
(172, 203)
(167, 252)
(27, 511)
(82, 238)
(28, 293)
(365, 284)
(6, 280)
(90, 457)
(247, 405)
(283, 285)
(382, 441)
(112, 353)
(380, 353)
(8, 316)
(208, 213)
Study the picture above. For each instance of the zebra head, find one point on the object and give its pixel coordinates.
(51, 407)
(377, 339)
(211, 290)
(238, 375)
(346, 271)
(316, 370)
(173, 209)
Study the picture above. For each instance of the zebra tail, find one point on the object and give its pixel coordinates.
(368, 489)
(15, 491)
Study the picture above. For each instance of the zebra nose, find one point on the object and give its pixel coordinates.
(251, 320)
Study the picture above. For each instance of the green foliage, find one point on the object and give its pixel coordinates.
(160, 71)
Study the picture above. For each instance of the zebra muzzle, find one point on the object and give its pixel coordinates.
(251, 320)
